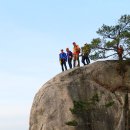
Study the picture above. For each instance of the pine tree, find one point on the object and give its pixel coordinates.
(111, 37)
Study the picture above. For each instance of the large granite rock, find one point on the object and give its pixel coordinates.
(51, 105)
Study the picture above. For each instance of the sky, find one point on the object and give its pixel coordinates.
(32, 33)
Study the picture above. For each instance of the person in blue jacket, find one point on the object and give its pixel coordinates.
(63, 59)
(69, 57)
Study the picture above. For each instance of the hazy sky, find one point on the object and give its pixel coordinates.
(32, 32)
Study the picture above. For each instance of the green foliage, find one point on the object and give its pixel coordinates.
(95, 43)
(94, 56)
(79, 107)
(110, 44)
(125, 34)
(106, 31)
(109, 104)
(83, 108)
(72, 123)
(95, 98)
(124, 19)
(111, 38)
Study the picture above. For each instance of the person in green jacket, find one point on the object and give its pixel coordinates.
(85, 50)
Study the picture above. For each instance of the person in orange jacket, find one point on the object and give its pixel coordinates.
(76, 51)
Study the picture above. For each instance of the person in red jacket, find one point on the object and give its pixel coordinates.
(120, 51)
(76, 51)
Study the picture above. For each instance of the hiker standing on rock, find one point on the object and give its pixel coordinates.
(69, 57)
(120, 51)
(63, 59)
(85, 50)
(76, 51)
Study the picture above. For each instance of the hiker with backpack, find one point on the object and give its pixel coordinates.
(63, 59)
(76, 51)
(69, 57)
(85, 50)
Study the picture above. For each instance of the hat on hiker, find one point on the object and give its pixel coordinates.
(74, 43)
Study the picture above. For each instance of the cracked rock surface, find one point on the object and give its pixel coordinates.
(50, 108)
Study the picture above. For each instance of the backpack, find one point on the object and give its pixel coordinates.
(86, 49)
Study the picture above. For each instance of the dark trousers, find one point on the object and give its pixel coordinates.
(76, 58)
(70, 62)
(63, 64)
(120, 57)
(85, 57)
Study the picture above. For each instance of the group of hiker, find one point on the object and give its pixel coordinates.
(70, 56)
(84, 51)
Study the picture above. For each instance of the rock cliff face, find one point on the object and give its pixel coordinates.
(51, 105)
